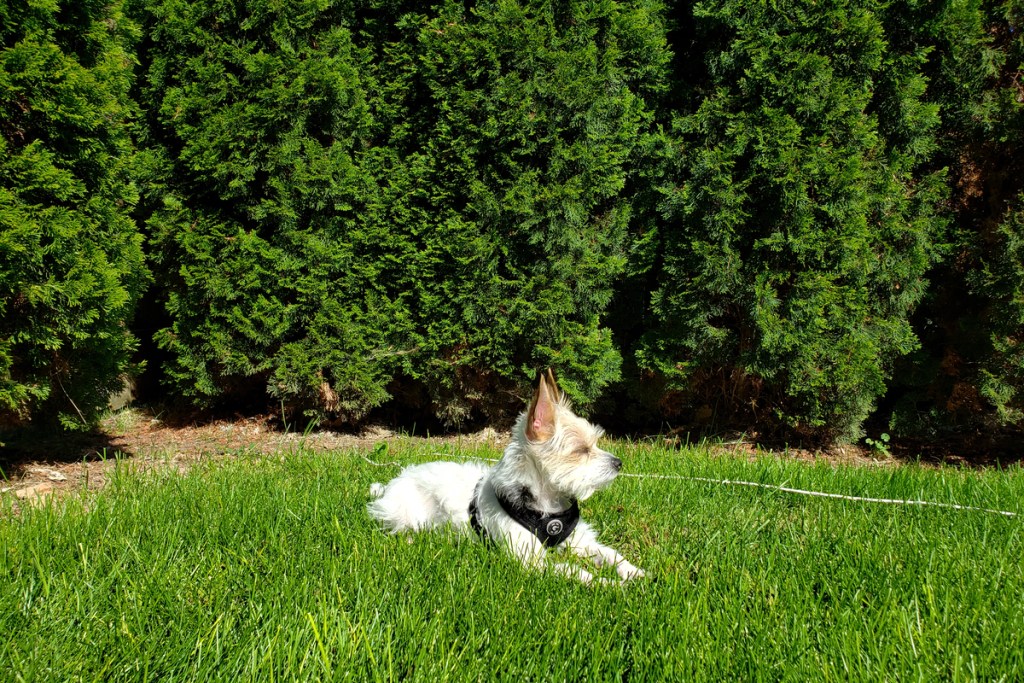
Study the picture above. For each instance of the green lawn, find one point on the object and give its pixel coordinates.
(260, 568)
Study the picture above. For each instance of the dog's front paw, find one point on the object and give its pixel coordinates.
(628, 572)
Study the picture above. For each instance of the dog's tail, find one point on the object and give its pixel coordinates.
(376, 489)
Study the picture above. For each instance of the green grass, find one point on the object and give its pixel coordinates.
(269, 569)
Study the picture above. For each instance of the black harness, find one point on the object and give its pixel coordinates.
(549, 529)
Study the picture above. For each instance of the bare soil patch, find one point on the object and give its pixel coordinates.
(35, 469)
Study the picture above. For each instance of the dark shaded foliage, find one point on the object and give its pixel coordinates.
(969, 375)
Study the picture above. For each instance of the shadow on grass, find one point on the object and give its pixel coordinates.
(975, 451)
(29, 448)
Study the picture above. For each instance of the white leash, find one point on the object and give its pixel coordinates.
(774, 487)
(820, 494)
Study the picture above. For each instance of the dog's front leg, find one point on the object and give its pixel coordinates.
(584, 543)
(534, 555)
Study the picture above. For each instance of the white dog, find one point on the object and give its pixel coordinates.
(527, 501)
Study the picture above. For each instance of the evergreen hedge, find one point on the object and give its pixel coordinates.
(357, 193)
(799, 222)
(969, 376)
(71, 263)
(529, 114)
(256, 116)
(774, 217)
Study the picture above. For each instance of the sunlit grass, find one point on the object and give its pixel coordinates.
(268, 568)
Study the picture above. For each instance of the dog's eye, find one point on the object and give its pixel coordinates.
(582, 452)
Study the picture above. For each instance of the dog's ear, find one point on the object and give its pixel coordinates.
(556, 392)
(540, 418)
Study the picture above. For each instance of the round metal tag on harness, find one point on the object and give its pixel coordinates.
(554, 527)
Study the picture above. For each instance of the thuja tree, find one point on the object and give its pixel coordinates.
(970, 373)
(274, 282)
(71, 263)
(518, 125)
(350, 193)
(1001, 280)
(798, 225)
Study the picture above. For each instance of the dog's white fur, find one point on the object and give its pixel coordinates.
(553, 455)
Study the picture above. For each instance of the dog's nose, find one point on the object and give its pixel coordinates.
(616, 463)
